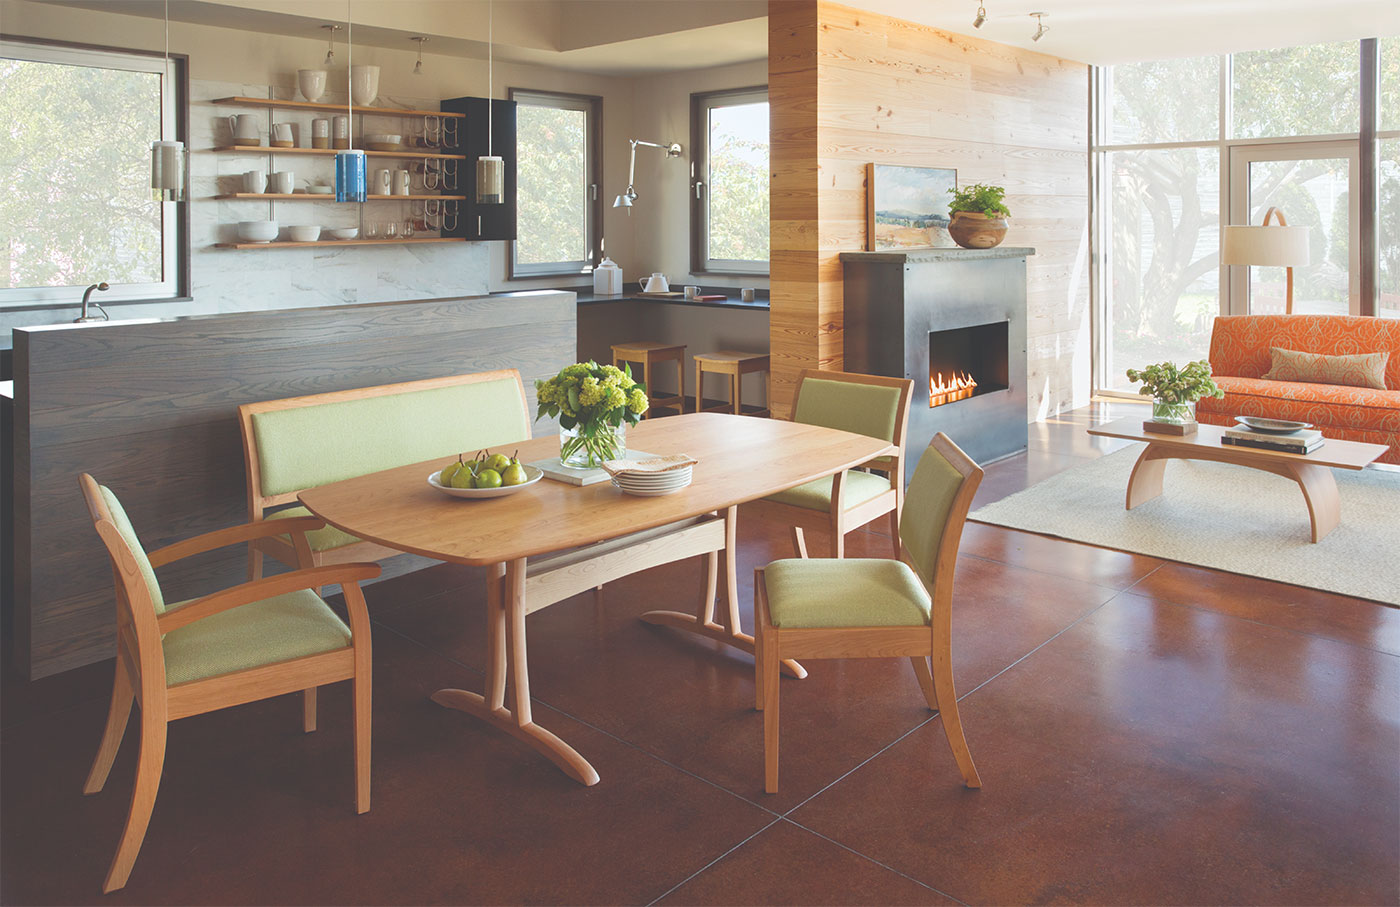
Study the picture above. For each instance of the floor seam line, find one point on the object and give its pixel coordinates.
(865, 856)
(697, 872)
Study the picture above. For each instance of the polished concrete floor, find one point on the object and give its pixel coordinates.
(1147, 733)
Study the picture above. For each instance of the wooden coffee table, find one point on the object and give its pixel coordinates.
(1312, 472)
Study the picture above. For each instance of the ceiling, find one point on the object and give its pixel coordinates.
(630, 37)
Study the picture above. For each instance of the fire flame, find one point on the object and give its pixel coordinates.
(958, 386)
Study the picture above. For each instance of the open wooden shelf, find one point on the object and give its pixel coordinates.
(245, 149)
(333, 108)
(337, 242)
(311, 196)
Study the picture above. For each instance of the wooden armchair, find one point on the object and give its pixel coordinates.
(871, 405)
(873, 607)
(254, 641)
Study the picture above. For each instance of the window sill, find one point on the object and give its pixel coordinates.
(78, 304)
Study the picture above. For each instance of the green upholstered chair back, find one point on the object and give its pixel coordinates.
(128, 534)
(933, 511)
(319, 443)
(865, 409)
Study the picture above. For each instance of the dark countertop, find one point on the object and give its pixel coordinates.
(919, 256)
(586, 296)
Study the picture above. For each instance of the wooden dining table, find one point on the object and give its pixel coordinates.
(553, 540)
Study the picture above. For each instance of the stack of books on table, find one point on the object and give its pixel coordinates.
(1301, 442)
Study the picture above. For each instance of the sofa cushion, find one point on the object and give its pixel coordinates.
(1355, 370)
(1240, 344)
(1321, 404)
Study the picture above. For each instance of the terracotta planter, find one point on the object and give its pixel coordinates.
(976, 231)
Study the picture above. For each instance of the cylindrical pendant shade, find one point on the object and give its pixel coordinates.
(168, 171)
(1273, 247)
(490, 180)
(350, 176)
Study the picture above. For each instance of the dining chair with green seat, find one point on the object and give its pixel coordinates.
(871, 405)
(253, 641)
(875, 607)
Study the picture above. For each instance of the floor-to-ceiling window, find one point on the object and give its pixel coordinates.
(1183, 147)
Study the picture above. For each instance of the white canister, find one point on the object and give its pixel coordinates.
(341, 125)
(383, 182)
(607, 278)
(402, 184)
(321, 133)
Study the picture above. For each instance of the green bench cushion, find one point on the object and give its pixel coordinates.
(143, 563)
(323, 539)
(816, 494)
(260, 633)
(851, 592)
(316, 445)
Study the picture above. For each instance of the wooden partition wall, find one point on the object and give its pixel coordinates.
(848, 87)
(150, 410)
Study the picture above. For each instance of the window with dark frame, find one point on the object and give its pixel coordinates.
(729, 181)
(75, 193)
(559, 173)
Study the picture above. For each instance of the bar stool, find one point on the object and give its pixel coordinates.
(648, 353)
(735, 365)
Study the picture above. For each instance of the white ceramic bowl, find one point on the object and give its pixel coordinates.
(257, 230)
(321, 190)
(304, 232)
(533, 474)
(383, 139)
(345, 232)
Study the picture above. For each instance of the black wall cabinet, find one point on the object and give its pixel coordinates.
(485, 221)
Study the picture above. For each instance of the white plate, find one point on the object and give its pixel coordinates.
(1272, 426)
(678, 483)
(650, 480)
(533, 475)
(668, 476)
(649, 492)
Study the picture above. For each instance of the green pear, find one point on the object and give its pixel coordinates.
(514, 474)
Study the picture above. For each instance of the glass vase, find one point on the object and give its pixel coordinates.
(1174, 413)
(582, 448)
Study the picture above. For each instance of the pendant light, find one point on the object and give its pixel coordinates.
(167, 157)
(490, 169)
(418, 67)
(350, 178)
(330, 44)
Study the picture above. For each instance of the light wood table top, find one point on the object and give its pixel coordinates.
(740, 459)
(1337, 453)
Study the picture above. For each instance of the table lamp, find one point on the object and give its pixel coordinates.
(1279, 246)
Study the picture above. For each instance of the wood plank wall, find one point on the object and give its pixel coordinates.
(848, 87)
(150, 410)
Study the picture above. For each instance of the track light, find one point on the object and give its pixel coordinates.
(330, 43)
(1040, 27)
(418, 67)
(981, 16)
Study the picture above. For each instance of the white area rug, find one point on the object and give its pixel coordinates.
(1222, 516)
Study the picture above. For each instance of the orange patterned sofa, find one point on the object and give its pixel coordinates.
(1239, 356)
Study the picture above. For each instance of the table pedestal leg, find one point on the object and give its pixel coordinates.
(702, 622)
(1146, 480)
(1320, 491)
(506, 654)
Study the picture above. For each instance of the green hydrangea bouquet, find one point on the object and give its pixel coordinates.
(595, 404)
(1174, 391)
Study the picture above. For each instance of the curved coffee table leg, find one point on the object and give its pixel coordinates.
(1320, 491)
(505, 648)
(1146, 480)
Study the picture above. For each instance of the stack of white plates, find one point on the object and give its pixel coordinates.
(653, 484)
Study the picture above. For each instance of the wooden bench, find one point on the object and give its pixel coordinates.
(297, 443)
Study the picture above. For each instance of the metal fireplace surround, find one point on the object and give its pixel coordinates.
(922, 313)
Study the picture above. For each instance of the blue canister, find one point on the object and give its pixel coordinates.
(350, 176)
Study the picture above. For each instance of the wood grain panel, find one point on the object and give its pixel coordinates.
(149, 409)
(847, 87)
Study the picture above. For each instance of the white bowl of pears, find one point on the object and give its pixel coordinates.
(486, 475)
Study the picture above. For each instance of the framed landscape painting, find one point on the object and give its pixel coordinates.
(907, 207)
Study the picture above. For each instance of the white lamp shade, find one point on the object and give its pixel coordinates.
(1273, 247)
(168, 170)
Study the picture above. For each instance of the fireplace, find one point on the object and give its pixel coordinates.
(954, 321)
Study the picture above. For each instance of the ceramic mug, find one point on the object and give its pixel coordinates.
(383, 182)
(402, 183)
(282, 134)
(282, 182)
(692, 292)
(245, 130)
(254, 181)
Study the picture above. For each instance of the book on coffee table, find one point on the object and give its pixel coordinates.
(554, 468)
(1301, 442)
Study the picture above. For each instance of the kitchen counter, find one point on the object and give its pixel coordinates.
(586, 296)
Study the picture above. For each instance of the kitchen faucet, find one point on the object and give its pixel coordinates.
(87, 294)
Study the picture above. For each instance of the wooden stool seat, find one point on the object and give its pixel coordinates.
(648, 353)
(735, 364)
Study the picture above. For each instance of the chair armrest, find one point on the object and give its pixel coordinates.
(267, 587)
(219, 538)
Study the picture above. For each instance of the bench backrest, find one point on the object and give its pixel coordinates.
(1240, 344)
(302, 442)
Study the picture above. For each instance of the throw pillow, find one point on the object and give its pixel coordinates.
(1358, 370)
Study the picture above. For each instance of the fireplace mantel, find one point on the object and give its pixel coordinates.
(942, 317)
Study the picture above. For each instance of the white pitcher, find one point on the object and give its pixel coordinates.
(245, 130)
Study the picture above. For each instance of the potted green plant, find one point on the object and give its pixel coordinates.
(1174, 391)
(978, 216)
(595, 404)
